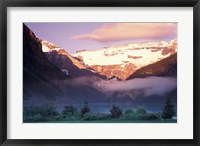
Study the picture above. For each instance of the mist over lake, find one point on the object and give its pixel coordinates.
(131, 77)
(150, 85)
(101, 94)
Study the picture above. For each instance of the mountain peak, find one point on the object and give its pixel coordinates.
(119, 60)
(49, 47)
(115, 59)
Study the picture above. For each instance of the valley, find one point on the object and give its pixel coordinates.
(130, 75)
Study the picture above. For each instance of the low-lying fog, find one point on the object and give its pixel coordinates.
(150, 85)
(150, 92)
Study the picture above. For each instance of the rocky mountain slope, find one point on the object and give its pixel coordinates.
(49, 72)
(39, 74)
(165, 67)
(67, 64)
(124, 59)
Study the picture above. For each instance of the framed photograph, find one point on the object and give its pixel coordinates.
(99, 72)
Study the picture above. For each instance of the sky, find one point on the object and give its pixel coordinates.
(75, 36)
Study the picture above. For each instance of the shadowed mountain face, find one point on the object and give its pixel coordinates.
(44, 81)
(68, 64)
(51, 74)
(165, 67)
(123, 60)
(39, 74)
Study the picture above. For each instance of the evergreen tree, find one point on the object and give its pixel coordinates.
(168, 111)
(116, 111)
(69, 109)
(85, 109)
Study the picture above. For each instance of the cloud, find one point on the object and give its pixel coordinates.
(123, 31)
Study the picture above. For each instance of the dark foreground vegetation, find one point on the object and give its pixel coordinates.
(69, 114)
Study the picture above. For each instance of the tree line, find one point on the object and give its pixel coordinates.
(70, 113)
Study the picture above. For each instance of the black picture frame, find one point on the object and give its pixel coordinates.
(4, 4)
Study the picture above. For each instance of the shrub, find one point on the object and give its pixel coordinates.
(96, 116)
(90, 116)
(131, 116)
(140, 114)
(141, 111)
(151, 116)
(37, 117)
(128, 111)
(69, 109)
(116, 112)
(68, 112)
(47, 111)
(39, 113)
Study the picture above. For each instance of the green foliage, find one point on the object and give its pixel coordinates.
(168, 111)
(69, 112)
(129, 116)
(37, 117)
(149, 116)
(69, 109)
(129, 111)
(97, 116)
(141, 111)
(74, 116)
(39, 113)
(85, 109)
(140, 114)
(116, 112)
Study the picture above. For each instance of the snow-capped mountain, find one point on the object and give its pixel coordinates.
(119, 61)
(69, 65)
(165, 67)
(48, 47)
(137, 54)
(40, 76)
(124, 59)
(51, 75)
